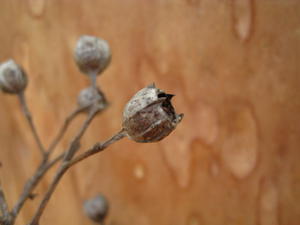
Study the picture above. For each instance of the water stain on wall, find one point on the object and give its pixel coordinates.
(36, 8)
(242, 18)
(240, 139)
(268, 203)
(200, 124)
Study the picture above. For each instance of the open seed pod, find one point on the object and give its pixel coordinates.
(149, 115)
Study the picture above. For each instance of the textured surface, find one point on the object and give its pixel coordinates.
(234, 68)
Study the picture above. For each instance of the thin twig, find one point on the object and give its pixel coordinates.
(32, 183)
(74, 146)
(45, 165)
(75, 143)
(63, 129)
(93, 79)
(3, 205)
(65, 166)
(98, 147)
(28, 116)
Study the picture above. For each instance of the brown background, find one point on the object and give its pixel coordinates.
(234, 67)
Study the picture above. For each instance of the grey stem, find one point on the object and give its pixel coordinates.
(74, 146)
(3, 205)
(32, 183)
(63, 169)
(93, 79)
(63, 129)
(98, 147)
(28, 116)
(43, 167)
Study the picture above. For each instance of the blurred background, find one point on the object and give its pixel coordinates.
(234, 67)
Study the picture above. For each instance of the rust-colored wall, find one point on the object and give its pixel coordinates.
(234, 68)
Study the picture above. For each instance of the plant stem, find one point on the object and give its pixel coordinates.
(32, 183)
(98, 147)
(65, 166)
(3, 205)
(75, 143)
(44, 165)
(93, 79)
(74, 146)
(28, 116)
(63, 129)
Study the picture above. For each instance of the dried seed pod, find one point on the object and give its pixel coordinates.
(149, 116)
(96, 208)
(13, 79)
(92, 97)
(92, 54)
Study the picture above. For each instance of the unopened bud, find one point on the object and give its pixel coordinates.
(96, 208)
(13, 79)
(92, 97)
(92, 54)
(149, 116)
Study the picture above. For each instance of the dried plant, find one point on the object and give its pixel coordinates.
(148, 117)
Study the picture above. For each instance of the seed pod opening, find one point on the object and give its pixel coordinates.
(149, 115)
(13, 79)
(92, 97)
(92, 54)
(96, 208)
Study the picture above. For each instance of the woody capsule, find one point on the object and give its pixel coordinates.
(149, 115)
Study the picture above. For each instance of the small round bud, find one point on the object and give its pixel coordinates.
(92, 97)
(96, 208)
(13, 79)
(92, 54)
(149, 116)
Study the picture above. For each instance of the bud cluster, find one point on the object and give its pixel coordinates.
(92, 56)
(149, 116)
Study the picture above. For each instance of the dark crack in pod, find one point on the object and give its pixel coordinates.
(149, 115)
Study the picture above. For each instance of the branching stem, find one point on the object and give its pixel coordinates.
(32, 183)
(74, 146)
(63, 129)
(45, 165)
(65, 166)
